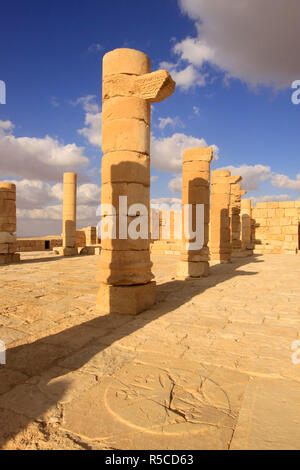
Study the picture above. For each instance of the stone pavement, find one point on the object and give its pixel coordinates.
(208, 367)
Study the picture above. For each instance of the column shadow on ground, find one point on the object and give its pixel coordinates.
(35, 358)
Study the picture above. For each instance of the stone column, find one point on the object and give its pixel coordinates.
(69, 215)
(195, 190)
(8, 224)
(128, 89)
(234, 212)
(246, 227)
(220, 240)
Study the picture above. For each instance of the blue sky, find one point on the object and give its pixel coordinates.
(233, 68)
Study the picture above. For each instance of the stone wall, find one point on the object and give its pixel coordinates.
(276, 227)
(37, 244)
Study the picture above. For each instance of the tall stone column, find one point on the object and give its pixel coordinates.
(234, 212)
(246, 227)
(129, 88)
(220, 239)
(69, 215)
(8, 224)
(195, 190)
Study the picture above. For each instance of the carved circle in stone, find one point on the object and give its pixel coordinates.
(169, 401)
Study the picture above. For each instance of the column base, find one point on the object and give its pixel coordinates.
(242, 253)
(191, 269)
(221, 258)
(66, 251)
(126, 300)
(9, 258)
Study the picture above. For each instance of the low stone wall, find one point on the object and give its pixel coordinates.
(37, 244)
(276, 227)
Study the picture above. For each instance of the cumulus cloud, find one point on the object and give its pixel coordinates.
(169, 121)
(166, 152)
(284, 182)
(271, 198)
(54, 212)
(35, 195)
(171, 203)
(252, 40)
(36, 158)
(186, 77)
(92, 130)
(175, 184)
(252, 174)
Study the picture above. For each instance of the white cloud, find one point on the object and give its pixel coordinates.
(54, 212)
(284, 182)
(95, 48)
(172, 122)
(253, 40)
(196, 110)
(186, 77)
(175, 184)
(171, 203)
(271, 198)
(93, 120)
(34, 194)
(252, 174)
(194, 51)
(6, 127)
(166, 152)
(153, 178)
(36, 158)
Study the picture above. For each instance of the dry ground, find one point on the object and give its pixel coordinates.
(209, 366)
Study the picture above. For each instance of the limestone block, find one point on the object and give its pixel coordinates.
(285, 204)
(284, 221)
(126, 61)
(118, 85)
(279, 212)
(126, 244)
(197, 153)
(66, 251)
(6, 237)
(4, 248)
(7, 207)
(290, 230)
(8, 224)
(218, 175)
(135, 192)
(222, 188)
(125, 134)
(291, 212)
(125, 167)
(197, 166)
(190, 269)
(190, 178)
(9, 258)
(155, 86)
(122, 107)
(196, 195)
(125, 267)
(127, 300)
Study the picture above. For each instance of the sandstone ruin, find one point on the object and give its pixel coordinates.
(195, 191)
(210, 365)
(125, 276)
(8, 224)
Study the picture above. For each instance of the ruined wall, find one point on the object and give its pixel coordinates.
(80, 238)
(37, 244)
(276, 227)
(168, 232)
